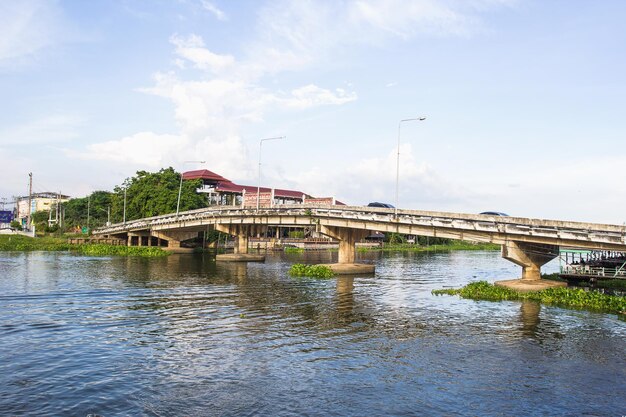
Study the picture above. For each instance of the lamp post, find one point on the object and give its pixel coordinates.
(108, 211)
(180, 186)
(124, 221)
(258, 188)
(398, 158)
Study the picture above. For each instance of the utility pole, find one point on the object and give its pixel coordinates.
(30, 199)
(88, 206)
(124, 221)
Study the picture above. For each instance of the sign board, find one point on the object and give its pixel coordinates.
(325, 201)
(6, 216)
(85, 230)
(265, 200)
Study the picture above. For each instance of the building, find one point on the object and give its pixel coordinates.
(46, 201)
(222, 191)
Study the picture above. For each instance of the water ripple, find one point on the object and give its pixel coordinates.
(188, 336)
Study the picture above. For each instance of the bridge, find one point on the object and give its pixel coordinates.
(529, 243)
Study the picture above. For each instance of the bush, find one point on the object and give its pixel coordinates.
(562, 296)
(291, 249)
(314, 271)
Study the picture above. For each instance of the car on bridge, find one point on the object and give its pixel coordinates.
(493, 213)
(382, 205)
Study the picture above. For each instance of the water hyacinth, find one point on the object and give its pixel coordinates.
(27, 244)
(313, 271)
(563, 297)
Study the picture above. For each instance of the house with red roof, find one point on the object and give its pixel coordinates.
(222, 191)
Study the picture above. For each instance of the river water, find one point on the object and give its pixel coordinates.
(185, 335)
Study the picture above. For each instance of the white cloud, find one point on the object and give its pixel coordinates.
(192, 49)
(230, 92)
(219, 14)
(312, 95)
(50, 129)
(28, 27)
(374, 179)
(299, 33)
(144, 149)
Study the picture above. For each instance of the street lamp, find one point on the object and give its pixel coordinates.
(258, 188)
(124, 221)
(398, 157)
(108, 211)
(180, 187)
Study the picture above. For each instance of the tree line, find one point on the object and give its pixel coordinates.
(147, 194)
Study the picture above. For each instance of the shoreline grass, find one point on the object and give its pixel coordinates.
(453, 245)
(19, 243)
(575, 298)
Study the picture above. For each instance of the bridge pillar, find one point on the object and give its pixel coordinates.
(242, 238)
(530, 256)
(347, 250)
(174, 238)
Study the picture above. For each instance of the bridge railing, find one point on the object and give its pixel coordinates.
(599, 271)
(514, 226)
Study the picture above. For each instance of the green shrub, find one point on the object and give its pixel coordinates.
(314, 271)
(562, 296)
(25, 243)
(118, 250)
(291, 249)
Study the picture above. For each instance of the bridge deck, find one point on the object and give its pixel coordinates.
(471, 227)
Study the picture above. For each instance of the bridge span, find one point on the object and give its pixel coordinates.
(529, 243)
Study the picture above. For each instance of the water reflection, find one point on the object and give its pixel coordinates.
(530, 317)
(345, 295)
(184, 334)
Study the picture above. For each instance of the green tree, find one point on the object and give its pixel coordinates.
(95, 206)
(154, 193)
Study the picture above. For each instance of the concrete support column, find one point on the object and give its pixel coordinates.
(347, 249)
(174, 238)
(530, 256)
(241, 243)
(241, 233)
(347, 241)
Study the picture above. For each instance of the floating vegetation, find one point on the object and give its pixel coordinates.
(25, 243)
(117, 250)
(293, 249)
(314, 271)
(577, 298)
(452, 245)
(28, 244)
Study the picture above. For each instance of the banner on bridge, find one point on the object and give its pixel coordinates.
(324, 201)
(265, 200)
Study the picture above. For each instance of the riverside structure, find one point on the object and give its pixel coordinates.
(529, 243)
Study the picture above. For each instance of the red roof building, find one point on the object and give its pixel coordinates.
(222, 191)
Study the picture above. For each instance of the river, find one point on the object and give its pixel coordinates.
(184, 335)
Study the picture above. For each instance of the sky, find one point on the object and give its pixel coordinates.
(524, 99)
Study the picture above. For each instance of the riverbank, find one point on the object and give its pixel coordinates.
(58, 244)
(576, 298)
(452, 245)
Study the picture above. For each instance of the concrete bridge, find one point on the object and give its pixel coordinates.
(529, 243)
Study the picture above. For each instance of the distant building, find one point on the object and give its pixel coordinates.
(38, 202)
(222, 191)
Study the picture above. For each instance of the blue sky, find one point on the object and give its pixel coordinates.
(524, 99)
